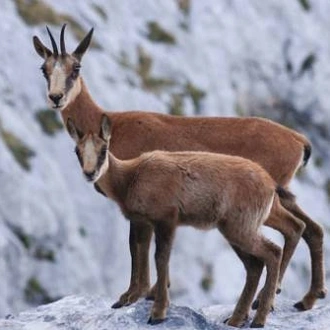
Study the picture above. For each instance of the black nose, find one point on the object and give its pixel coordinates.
(89, 175)
(55, 97)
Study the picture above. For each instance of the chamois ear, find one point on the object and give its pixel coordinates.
(41, 49)
(82, 47)
(73, 131)
(105, 131)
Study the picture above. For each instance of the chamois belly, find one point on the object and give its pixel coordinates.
(201, 213)
(203, 222)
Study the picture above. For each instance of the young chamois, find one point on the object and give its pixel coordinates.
(204, 190)
(280, 151)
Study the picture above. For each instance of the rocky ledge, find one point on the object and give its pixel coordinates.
(95, 313)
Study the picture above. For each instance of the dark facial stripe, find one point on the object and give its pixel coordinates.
(101, 157)
(45, 74)
(68, 84)
(79, 156)
(70, 80)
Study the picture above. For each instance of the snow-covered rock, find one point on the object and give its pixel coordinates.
(59, 237)
(95, 313)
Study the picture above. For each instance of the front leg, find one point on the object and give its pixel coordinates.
(164, 233)
(144, 236)
(151, 295)
(139, 242)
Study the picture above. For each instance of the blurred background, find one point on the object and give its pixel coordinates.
(185, 57)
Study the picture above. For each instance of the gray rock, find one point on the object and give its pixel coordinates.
(95, 313)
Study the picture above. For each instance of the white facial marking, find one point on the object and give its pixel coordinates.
(90, 157)
(90, 161)
(57, 80)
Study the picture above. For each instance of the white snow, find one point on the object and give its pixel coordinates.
(95, 313)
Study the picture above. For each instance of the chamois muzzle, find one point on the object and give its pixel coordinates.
(56, 98)
(90, 176)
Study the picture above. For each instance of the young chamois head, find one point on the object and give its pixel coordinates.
(91, 148)
(61, 70)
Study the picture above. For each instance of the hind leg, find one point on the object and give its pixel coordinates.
(313, 235)
(253, 243)
(253, 268)
(292, 229)
(271, 254)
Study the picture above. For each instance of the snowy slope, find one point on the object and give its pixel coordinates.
(94, 312)
(248, 58)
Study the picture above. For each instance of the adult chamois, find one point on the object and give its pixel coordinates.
(280, 150)
(205, 190)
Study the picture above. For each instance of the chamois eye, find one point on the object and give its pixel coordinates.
(76, 150)
(76, 68)
(75, 71)
(103, 151)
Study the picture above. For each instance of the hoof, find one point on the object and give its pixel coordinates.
(155, 321)
(236, 324)
(117, 305)
(300, 306)
(322, 294)
(129, 297)
(226, 320)
(152, 298)
(256, 325)
(255, 304)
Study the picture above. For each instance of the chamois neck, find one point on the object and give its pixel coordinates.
(84, 112)
(116, 178)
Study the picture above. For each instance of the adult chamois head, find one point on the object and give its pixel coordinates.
(61, 69)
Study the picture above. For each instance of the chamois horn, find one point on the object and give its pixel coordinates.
(63, 50)
(55, 50)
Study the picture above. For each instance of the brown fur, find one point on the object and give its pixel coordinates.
(278, 149)
(200, 189)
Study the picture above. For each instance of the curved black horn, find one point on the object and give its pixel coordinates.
(63, 51)
(55, 50)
